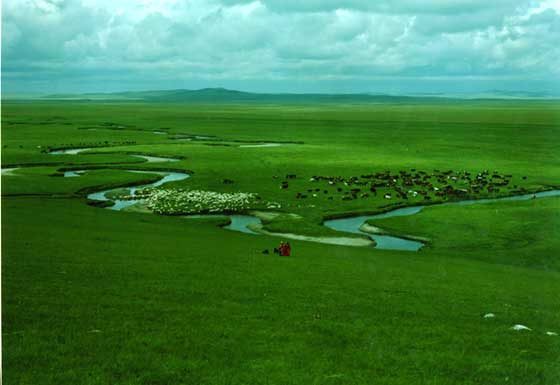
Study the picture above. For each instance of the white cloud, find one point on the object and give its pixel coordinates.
(288, 39)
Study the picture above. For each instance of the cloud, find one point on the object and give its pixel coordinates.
(65, 41)
(389, 6)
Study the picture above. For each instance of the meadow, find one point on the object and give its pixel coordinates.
(94, 296)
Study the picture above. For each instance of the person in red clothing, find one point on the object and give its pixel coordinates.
(287, 249)
(281, 250)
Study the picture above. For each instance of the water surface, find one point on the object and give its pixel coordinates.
(264, 145)
(73, 173)
(68, 151)
(238, 222)
(155, 159)
(9, 171)
(121, 204)
(389, 242)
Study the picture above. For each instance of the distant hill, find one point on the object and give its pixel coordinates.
(222, 95)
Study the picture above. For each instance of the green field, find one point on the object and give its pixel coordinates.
(94, 296)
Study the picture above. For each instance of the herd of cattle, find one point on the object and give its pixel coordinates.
(407, 184)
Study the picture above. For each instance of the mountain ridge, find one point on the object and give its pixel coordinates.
(224, 95)
(219, 94)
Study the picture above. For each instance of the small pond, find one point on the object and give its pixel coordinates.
(68, 151)
(73, 173)
(9, 171)
(155, 159)
(256, 145)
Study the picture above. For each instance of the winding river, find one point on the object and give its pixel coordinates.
(351, 224)
(388, 242)
(238, 222)
(121, 204)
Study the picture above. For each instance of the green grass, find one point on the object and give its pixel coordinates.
(301, 226)
(92, 296)
(502, 232)
(173, 305)
(40, 181)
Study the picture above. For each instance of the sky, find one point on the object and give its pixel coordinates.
(325, 46)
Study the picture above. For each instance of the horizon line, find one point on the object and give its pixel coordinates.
(492, 94)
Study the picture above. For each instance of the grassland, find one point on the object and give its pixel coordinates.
(93, 296)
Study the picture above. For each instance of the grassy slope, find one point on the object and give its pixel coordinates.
(174, 306)
(521, 233)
